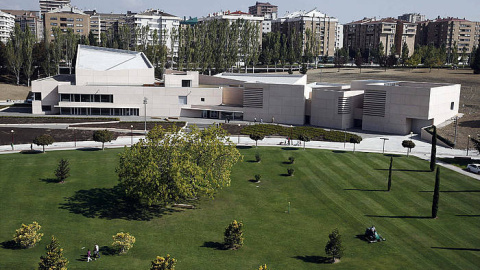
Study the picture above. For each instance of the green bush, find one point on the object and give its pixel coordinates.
(28, 236)
(122, 242)
(290, 171)
(291, 159)
(258, 177)
(234, 235)
(258, 158)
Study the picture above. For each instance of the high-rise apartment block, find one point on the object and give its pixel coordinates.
(367, 34)
(322, 26)
(7, 23)
(66, 17)
(448, 32)
(264, 9)
(49, 5)
(28, 18)
(234, 16)
(412, 17)
(103, 22)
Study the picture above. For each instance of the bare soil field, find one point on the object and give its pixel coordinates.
(13, 92)
(469, 124)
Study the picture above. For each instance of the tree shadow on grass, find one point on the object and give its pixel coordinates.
(373, 190)
(339, 151)
(214, 245)
(110, 203)
(49, 180)
(467, 215)
(314, 259)
(10, 244)
(243, 147)
(290, 148)
(108, 251)
(392, 155)
(89, 149)
(463, 249)
(403, 170)
(411, 217)
(31, 152)
(450, 191)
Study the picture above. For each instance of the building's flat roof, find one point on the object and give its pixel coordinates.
(103, 59)
(66, 78)
(263, 78)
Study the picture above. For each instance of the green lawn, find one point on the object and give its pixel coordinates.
(329, 190)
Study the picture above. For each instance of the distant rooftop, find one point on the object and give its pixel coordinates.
(103, 59)
(263, 78)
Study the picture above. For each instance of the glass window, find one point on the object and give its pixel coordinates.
(65, 97)
(182, 100)
(186, 83)
(46, 108)
(37, 96)
(452, 106)
(97, 98)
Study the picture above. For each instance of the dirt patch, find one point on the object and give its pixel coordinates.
(13, 92)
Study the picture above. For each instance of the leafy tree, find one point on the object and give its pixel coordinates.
(28, 236)
(258, 158)
(475, 64)
(359, 60)
(103, 136)
(257, 137)
(71, 42)
(390, 174)
(122, 242)
(63, 170)
(57, 47)
(303, 69)
(234, 235)
(43, 140)
(263, 267)
(463, 58)
(258, 177)
(13, 50)
(28, 44)
(436, 194)
(355, 140)
(408, 144)
(304, 138)
(54, 258)
(161, 263)
(433, 152)
(454, 56)
(414, 60)
(405, 53)
(431, 57)
(171, 166)
(290, 171)
(380, 53)
(334, 247)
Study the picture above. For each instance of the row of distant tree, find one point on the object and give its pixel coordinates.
(214, 46)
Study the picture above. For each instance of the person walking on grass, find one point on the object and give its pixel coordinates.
(89, 256)
(96, 252)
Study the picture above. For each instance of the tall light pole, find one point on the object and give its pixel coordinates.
(468, 144)
(131, 134)
(384, 139)
(145, 101)
(345, 138)
(291, 134)
(12, 138)
(75, 137)
(238, 134)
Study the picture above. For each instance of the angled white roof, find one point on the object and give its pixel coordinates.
(263, 78)
(104, 59)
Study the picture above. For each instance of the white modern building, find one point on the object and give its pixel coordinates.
(7, 24)
(165, 24)
(119, 83)
(339, 37)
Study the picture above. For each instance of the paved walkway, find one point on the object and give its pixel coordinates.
(372, 143)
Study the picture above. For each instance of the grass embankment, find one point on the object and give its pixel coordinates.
(329, 190)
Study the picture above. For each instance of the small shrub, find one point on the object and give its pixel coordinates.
(304, 69)
(291, 160)
(263, 267)
(258, 158)
(334, 247)
(290, 171)
(28, 236)
(161, 263)
(54, 258)
(63, 170)
(290, 71)
(258, 177)
(234, 235)
(122, 242)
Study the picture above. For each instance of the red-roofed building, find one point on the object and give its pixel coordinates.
(368, 33)
(449, 31)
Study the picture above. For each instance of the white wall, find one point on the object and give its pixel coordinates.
(115, 77)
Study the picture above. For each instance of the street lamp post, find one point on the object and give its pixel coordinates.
(468, 144)
(238, 134)
(384, 139)
(291, 135)
(12, 138)
(145, 101)
(345, 138)
(131, 134)
(75, 137)
(411, 134)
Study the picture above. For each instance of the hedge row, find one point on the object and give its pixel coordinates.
(316, 134)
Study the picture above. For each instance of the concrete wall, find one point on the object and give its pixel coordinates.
(286, 103)
(49, 90)
(115, 77)
(175, 80)
(441, 99)
(232, 96)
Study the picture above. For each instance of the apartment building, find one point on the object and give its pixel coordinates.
(368, 33)
(448, 32)
(234, 16)
(164, 23)
(322, 26)
(267, 11)
(49, 5)
(30, 18)
(412, 17)
(66, 17)
(7, 24)
(103, 22)
(339, 37)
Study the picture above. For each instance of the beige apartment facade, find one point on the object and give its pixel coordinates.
(66, 17)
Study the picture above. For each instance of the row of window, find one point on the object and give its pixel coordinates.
(66, 19)
(100, 111)
(86, 98)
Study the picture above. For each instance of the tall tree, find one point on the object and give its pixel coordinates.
(334, 246)
(359, 60)
(14, 52)
(463, 58)
(433, 152)
(405, 53)
(436, 194)
(28, 45)
(103, 136)
(57, 48)
(390, 174)
(172, 166)
(43, 140)
(54, 258)
(233, 236)
(71, 42)
(454, 56)
(63, 170)
(475, 63)
(431, 57)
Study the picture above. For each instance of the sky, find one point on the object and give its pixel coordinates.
(346, 10)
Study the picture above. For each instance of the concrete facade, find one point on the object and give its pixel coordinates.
(7, 24)
(49, 5)
(66, 17)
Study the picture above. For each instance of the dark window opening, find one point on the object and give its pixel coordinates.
(37, 96)
(186, 83)
(202, 99)
(452, 106)
(46, 108)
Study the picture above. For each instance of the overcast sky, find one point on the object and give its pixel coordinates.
(345, 11)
